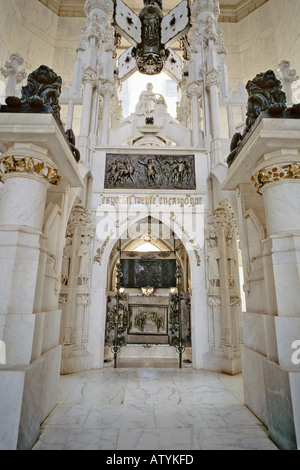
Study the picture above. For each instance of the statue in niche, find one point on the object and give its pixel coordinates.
(265, 94)
(151, 171)
(83, 253)
(66, 261)
(231, 263)
(213, 263)
(147, 101)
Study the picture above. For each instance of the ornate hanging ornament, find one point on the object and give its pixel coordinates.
(150, 34)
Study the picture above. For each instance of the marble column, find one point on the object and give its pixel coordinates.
(212, 82)
(27, 175)
(89, 78)
(107, 90)
(194, 92)
(33, 205)
(271, 162)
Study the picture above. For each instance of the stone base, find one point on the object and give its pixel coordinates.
(272, 393)
(27, 395)
(143, 351)
(148, 339)
(70, 365)
(216, 363)
(282, 390)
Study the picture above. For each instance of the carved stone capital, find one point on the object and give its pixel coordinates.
(194, 89)
(83, 299)
(212, 78)
(89, 75)
(104, 5)
(29, 165)
(214, 301)
(107, 88)
(200, 6)
(276, 173)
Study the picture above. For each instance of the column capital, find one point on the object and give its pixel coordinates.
(200, 6)
(104, 5)
(212, 78)
(194, 89)
(11, 165)
(89, 75)
(276, 173)
(107, 88)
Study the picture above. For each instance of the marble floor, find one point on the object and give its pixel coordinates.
(135, 407)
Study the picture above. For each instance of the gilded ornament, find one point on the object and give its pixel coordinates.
(13, 164)
(275, 173)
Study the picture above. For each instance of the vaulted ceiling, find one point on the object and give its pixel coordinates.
(231, 10)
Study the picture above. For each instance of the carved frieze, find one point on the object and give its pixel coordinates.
(150, 171)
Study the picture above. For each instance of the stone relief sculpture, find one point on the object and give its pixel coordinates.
(264, 95)
(151, 171)
(142, 171)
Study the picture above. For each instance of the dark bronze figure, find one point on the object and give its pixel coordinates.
(265, 94)
(41, 95)
(150, 54)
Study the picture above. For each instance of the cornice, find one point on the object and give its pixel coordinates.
(230, 13)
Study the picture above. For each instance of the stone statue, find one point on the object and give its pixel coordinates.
(83, 253)
(213, 263)
(231, 263)
(265, 94)
(147, 101)
(66, 261)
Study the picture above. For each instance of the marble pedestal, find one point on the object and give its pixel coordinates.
(266, 179)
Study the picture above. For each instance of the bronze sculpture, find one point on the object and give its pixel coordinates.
(41, 95)
(265, 94)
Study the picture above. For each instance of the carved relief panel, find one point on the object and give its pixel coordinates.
(150, 171)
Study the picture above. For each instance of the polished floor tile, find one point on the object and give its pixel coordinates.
(139, 408)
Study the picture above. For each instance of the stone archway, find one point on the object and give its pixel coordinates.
(149, 266)
(105, 242)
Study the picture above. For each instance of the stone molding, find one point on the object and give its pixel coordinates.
(29, 165)
(275, 173)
